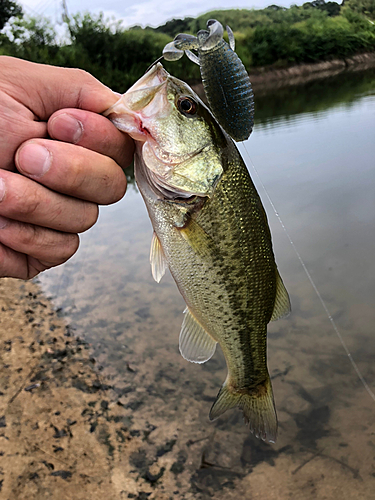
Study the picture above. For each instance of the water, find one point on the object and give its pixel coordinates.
(314, 149)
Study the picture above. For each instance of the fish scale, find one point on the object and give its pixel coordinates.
(211, 231)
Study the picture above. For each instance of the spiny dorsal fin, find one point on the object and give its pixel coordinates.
(282, 302)
(157, 259)
(196, 345)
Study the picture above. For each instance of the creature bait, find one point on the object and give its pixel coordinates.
(224, 77)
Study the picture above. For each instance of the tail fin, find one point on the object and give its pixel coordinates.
(257, 405)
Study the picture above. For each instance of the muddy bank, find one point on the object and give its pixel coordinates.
(267, 78)
(53, 406)
(70, 430)
(66, 432)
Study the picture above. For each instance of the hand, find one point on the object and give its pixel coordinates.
(70, 158)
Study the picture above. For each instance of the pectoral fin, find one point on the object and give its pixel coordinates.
(196, 345)
(197, 238)
(282, 302)
(157, 259)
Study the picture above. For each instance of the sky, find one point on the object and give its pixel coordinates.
(144, 12)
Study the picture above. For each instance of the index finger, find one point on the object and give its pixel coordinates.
(92, 131)
(44, 89)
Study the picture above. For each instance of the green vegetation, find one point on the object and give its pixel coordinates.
(277, 36)
(8, 9)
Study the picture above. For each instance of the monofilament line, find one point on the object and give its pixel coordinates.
(354, 364)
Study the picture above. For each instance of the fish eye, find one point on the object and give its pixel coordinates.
(187, 106)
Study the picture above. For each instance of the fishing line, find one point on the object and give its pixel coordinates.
(334, 326)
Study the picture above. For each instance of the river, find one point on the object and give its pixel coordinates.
(312, 152)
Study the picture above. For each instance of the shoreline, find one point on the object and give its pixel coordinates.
(71, 430)
(65, 432)
(45, 440)
(268, 78)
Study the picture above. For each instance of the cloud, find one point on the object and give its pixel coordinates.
(145, 12)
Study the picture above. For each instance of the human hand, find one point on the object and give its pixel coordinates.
(70, 158)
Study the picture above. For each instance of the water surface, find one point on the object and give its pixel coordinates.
(314, 150)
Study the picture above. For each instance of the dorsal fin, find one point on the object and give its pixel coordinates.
(282, 302)
(196, 345)
(157, 259)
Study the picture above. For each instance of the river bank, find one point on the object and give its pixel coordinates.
(267, 78)
(65, 433)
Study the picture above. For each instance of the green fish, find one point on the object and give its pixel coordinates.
(211, 231)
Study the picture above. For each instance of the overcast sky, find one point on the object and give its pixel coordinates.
(144, 12)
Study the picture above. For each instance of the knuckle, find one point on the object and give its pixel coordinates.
(67, 248)
(113, 185)
(88, 216)
(29, 235)
(51, 247)
(80, 75)
(28, 202)
(75, 180)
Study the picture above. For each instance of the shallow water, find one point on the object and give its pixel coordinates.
(314, 150)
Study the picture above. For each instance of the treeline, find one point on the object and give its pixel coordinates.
(278, 36)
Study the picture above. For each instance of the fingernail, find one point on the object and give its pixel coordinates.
(33, 160)
(66, 128)
(3, 222)
(2, 189)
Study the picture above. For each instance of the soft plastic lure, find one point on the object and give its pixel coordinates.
(224, 77)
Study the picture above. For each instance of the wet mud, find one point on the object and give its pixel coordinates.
(71, 429)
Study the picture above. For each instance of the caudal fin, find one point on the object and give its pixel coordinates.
(257, 405)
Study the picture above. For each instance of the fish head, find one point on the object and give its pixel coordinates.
(178, 140)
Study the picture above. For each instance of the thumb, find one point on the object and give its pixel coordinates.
(45, 89)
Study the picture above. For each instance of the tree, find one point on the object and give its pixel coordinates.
(8, 9)
(365, 7)
(332, 8)
(175, 26)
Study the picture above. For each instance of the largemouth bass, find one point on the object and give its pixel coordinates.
(211, 231)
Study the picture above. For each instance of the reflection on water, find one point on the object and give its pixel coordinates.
(314, 149)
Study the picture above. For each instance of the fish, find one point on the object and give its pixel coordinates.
(211, 232)
(225, 80)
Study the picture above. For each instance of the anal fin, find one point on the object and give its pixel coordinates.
(157, 259)
(196, 345)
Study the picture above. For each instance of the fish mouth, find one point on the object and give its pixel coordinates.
(145, 100)
(145, 95)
